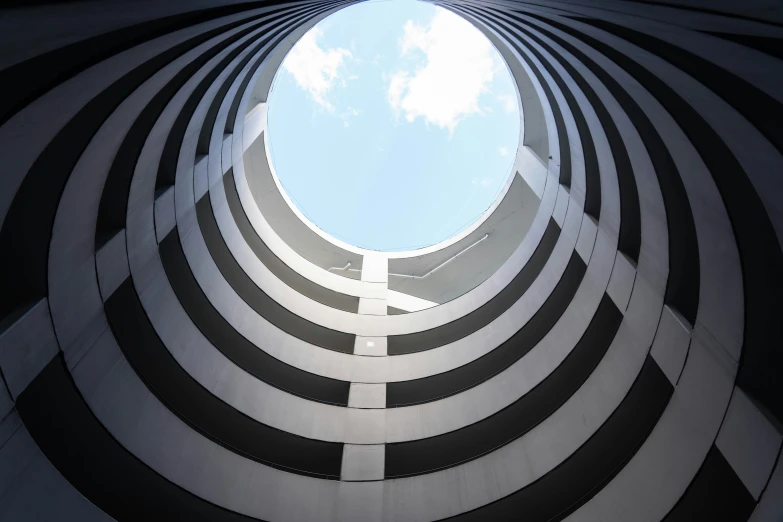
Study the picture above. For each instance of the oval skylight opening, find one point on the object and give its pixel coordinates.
(393, 125)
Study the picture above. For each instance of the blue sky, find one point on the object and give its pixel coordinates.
(393, 124)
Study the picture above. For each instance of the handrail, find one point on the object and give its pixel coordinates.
(345, 268)
(411, 276)
(446, 262)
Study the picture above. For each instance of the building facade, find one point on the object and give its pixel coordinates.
(177, 342)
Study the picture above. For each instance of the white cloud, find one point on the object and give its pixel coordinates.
(345, 116)
(315, 69)
(459, 68)
(484, 182)
(503, 151)
(509, 102)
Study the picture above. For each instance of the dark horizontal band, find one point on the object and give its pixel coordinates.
(435, 387)
(258, 300)
(234, 345)
(466, 325)
(281, 270)
(28, 225)
(630, 236)
(114, 200)
(562, 490)
(200, 408)
(761, 257)
(434, 453)
(107, 474)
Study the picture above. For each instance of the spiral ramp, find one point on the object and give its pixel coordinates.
(177, 343)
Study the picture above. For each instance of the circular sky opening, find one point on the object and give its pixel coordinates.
(393, 125)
